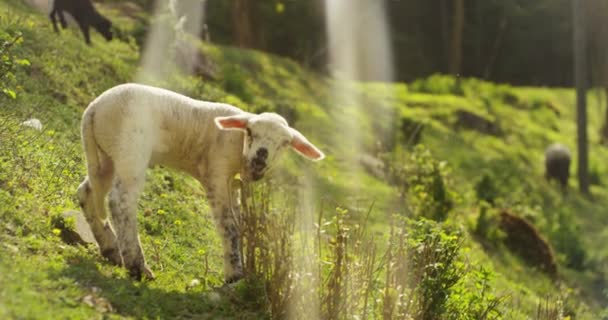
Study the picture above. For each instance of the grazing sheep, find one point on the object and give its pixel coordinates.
(131, 127)
(557, 164)
(85, 15)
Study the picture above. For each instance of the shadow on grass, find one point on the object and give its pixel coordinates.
(142, 300)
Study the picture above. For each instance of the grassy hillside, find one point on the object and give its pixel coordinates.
(480, 136)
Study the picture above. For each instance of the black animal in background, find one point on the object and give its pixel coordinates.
(557, 164)
(85, 15)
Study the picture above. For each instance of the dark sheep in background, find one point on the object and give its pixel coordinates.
(557, 164)
(85, 15)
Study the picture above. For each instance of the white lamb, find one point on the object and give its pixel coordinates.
(131, 127)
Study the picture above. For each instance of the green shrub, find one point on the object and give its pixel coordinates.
(434, 266)
(567, 241)
(9, 63)
(437, 84)
(486, 189)
(595, 177)
(423, 183)
(234, 82)
(487, 225)
(410, 131)
(474, 299)
(427, 279)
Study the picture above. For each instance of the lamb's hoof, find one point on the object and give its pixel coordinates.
(140, 273)
(113, 255)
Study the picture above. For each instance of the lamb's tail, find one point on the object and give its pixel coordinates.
(88, 141)
(92, 154)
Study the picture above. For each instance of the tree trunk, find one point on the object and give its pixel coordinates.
(241, 23)
(604, 130)
(445, 34)
(580, 79)
(502, 27)
(455, 64)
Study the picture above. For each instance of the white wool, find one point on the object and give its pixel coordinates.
(131, 127)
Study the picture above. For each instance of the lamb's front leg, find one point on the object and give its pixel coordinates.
(53, 17)
(123, 204)
(219, 196)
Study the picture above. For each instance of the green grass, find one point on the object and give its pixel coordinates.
(41, 277)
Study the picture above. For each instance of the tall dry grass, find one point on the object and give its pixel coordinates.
(342, 271)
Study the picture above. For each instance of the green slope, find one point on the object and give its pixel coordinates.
(41, 277)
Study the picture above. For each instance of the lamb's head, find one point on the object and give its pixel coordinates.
(266, 135)
(104, 27)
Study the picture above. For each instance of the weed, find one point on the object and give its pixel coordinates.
(423, 181)
(485, 188)
(9, 62)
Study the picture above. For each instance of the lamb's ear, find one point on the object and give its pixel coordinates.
(237, 122)
(302, 146)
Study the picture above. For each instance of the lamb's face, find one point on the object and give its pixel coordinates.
(104, 27)
(266, 135)
(265, 139)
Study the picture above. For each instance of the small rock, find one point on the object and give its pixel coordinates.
(11, 248)
(100, 304)
(33, 123)
(89, 300)
(10, 228)
(193, 283)
(79, 233)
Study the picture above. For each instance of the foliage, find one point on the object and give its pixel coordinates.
(485, 188)
(567, 241)
(486, 226)
(437, 84)
(424, 274)
(423, 268)
(423, 181)
(474, 298)
(9, 63)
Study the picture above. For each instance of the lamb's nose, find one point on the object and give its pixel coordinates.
(262, 154)
(258, 163)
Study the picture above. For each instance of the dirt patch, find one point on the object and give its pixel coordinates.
(523, 239)
(469, 120)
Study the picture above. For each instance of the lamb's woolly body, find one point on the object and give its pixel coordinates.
(557, 164)
(132, 127)
(171, 129)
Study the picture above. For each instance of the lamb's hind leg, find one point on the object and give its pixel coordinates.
(91, 194)
(53, 18)
(123, 204)
(64, 24)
